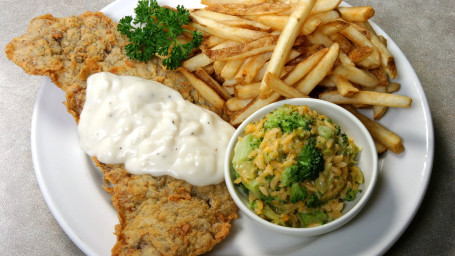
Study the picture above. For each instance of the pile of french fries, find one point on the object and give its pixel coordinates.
(256, 52)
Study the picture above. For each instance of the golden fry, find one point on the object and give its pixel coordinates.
(379, 111)
(243, 50)
(247, 74)
(393, 87)
(356, 75)
(252, 107)
(387, 59)
(205, 90)
(286, 41)
(369, 98)
(357, 13)
(217, 2)
(249, 9)
(325, 5)
(248, 91)
(224, 31)
(282, 88)
(230, 68)
(304, 67)
(231, 20)
(344, 87)
(307, 84)
(333, 27)
(197, 61)
(236, 104)
(381, 134)
(206, 78)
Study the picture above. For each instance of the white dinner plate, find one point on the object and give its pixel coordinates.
(71, 185)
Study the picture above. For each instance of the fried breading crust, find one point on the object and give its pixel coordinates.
(157, 215)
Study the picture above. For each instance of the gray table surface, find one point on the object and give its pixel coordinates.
(424, 30)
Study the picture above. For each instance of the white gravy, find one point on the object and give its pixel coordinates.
(152, 130)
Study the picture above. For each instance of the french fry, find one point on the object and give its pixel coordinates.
(381, 75)
(369, 98)
(361, 53)
(327, 82)
(248, 91)
(206, 91)
(345, 60)
(380, 149)
(371, 61)
(197, 61)
(326, 17)
(236, 104)
(379, 111)
(344, 87)
(307, 84)
(356, 75)
(282, 88)
(393, 87)
(325, 5)
(333, 27)
(345, 45)
(206, 78)
(243, 50)
(249, 9)
(261, 73)
(320, 38)
(286, 41)
(224, 31)
(230, 68)
(278, 22)
(231, 20)
(216, 2)
(381, 134)
(356, 13)
(249, 71)
(209, 69)
(304, 67)
(229, 82)
(212, 41)
(309, 26)
(254, 105)
(288, 51)
(218, 66)
(387, 59)
(229, 89)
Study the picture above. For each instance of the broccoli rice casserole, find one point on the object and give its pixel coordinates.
(296, 167)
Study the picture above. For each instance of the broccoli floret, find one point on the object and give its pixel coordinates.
(297, 193)
(314, 200)
(267, 199)
(244, 147)
(287, 120)
(325, 132)
(253, 205)
(351, 194)
(253, 186)
(290, 174)
(272, 215)
(243, 188)
(348, 148)
(307, 219)
(310, 160)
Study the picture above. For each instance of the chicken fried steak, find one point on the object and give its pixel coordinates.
(157, 215)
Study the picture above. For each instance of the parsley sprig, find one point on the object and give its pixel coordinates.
(154, 30)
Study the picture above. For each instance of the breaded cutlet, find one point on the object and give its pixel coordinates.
(157, 215)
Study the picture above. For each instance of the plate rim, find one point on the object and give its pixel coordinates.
(392, 238)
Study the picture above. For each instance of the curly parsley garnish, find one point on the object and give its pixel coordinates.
(154, 30)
